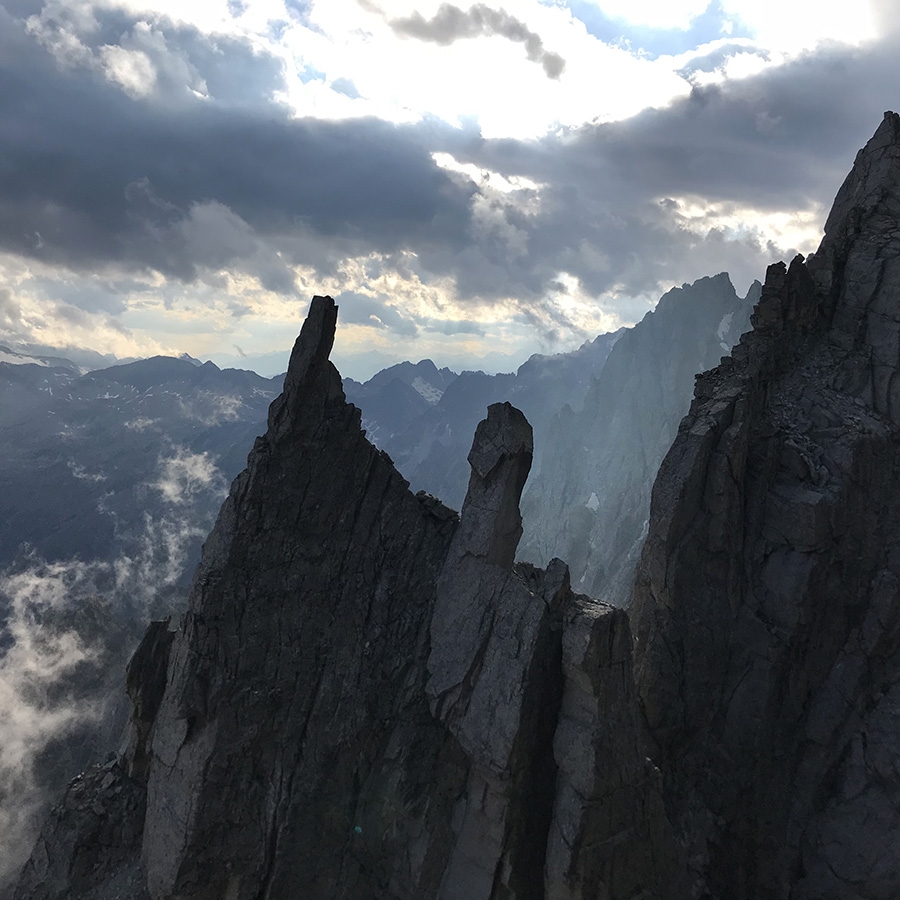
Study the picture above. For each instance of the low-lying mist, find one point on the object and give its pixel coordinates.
(67, 630)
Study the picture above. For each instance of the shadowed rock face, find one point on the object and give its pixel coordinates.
(294, 745)
(369, 699)
(366, 697)
(500, 459)
(533, 681)
(767, 605)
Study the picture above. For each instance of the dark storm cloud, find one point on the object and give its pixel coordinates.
(450, 24)
(780, 141)
(188, 186)
(176, 186)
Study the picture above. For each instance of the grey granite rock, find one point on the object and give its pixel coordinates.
(90, 846)
(610, 836)
(294, 745)
(766, 604)
(363, 698)
(369, 699)
(589, 500)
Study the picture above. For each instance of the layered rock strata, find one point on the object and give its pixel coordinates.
(767, 603)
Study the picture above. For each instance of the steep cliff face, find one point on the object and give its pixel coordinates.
(590, 500)
(767, 608)
(368, 699)
(294, 715)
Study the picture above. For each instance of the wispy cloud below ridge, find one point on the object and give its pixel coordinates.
(68, 628)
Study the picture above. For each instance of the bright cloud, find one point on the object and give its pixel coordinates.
(32, 311)
(801, 230)
(443, 166)
(132, 69)
(402, 62)
(799, 25)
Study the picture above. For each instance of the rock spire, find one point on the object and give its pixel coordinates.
(369, 699)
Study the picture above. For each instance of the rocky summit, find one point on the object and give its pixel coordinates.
(368, 697)
(767, 608)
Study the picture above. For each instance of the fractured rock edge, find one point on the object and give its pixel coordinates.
(767, 622)
(366, 694)
(766, 607)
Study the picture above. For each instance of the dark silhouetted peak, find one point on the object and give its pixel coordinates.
(871, 189)
(309, 358)
(311, 384)
(366, 700)
(767, 597)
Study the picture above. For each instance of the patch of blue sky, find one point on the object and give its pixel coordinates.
(346, 87)
(311, 73)
(651, 43)
(299, 9)
(277, 28)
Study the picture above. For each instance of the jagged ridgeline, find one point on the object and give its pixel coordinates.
(366, 698)
(369, 699)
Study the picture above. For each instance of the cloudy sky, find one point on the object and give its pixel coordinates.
(471, 182)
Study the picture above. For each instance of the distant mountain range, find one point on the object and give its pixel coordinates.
(86, 460)
(110, 480)
(90, 461)
(603, 417)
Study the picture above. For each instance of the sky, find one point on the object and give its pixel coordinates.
(472, 183)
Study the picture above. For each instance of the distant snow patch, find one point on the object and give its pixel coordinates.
(16, 359)
(722, 330)
(593, 502)
(427, 391)
(370, 429)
